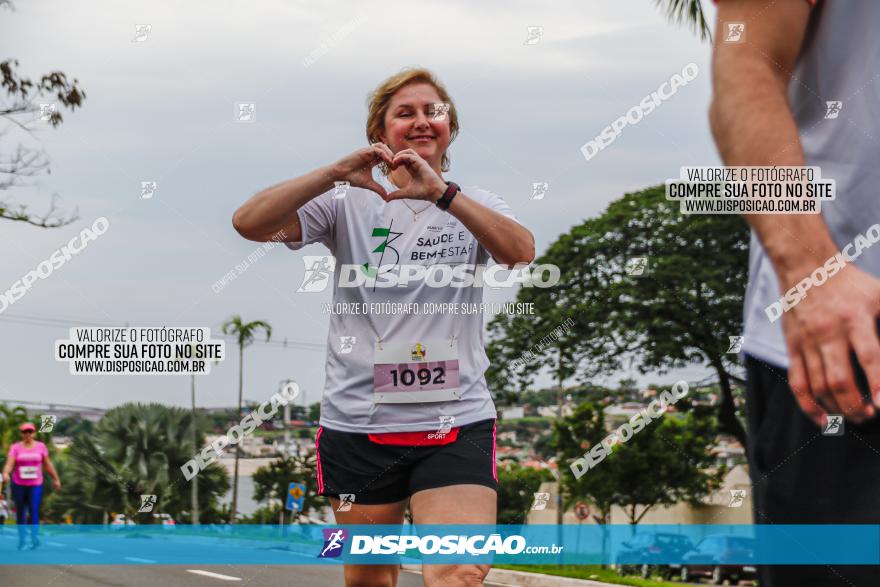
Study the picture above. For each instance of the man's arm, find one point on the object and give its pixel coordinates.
(753, 125)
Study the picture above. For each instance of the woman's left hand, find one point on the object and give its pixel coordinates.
(425, 183)
(56, 484)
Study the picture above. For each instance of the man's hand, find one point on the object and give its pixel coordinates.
(425, 183)
(820, 330)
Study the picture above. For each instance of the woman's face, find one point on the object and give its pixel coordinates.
(410, 123)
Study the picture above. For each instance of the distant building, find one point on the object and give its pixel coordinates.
(511, 413)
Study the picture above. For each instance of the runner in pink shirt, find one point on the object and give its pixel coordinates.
(25, 461)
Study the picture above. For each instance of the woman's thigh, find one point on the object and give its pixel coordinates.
(455, 504)
(370, 575)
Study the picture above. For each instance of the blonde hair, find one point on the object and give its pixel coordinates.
(380, 99)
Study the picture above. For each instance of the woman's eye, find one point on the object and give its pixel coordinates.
(406, 114)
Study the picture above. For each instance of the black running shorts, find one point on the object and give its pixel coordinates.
(352, 463)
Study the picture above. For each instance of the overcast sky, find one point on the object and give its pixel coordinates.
(163, 110)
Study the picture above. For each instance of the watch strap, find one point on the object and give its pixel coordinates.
(452, 188)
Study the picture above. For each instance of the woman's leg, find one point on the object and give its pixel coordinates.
(370, 575)
(455, 504)
(20, 497)
(36, 498)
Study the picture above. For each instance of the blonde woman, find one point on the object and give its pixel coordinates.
(406, 414)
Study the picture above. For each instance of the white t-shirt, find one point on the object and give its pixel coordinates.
(346, 227)
(845, 146)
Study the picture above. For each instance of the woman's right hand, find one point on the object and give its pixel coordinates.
(357, 168)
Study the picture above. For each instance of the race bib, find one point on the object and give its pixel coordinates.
(421, 371)
(28, 472)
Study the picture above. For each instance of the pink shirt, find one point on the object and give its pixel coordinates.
(28, 463)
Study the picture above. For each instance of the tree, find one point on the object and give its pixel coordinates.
(690, 11)
(244, 333)
(665, 463)
(679, 312)
(72, 426)
(314, 412)
(516, 491)
(11, 417)
(271, 482)
(20, 103)
(135, 449)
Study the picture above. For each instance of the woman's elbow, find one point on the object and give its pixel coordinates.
(240, 223)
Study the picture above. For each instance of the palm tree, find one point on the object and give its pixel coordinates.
(690, 11)
(244, 333)
(135, 449)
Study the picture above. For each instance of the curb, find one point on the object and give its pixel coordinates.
(523, 579)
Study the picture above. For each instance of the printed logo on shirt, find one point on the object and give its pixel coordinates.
(418, 352)
(389, 237)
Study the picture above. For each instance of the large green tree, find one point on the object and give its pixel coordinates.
(680, 312)
(667, 462)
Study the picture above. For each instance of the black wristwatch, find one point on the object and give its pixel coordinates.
(446, 199)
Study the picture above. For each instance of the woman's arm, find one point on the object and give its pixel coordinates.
(507, 240)
(272, 212)
(47, 462)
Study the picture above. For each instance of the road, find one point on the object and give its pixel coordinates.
(182, 576)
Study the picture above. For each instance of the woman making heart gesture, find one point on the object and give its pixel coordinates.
(406, 414)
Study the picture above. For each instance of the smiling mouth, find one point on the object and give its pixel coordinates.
(421, 138)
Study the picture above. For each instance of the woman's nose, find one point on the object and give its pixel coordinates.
(421, 120)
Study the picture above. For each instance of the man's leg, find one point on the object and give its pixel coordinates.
(800, 476)
(455, 504)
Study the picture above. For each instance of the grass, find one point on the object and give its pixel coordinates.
(595, 572)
